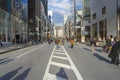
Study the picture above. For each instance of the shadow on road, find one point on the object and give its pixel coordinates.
(23, 75)
(61, 74)
(102, 58)
(87, 49)
(99, 50)
(5, 61)
(10, 75)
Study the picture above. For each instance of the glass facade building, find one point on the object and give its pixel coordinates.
(12, 28)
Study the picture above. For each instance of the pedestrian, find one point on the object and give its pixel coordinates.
(1, 43)
(114, 53)
(93, 43)
(57, 43)
(107, 45)
(72, 42)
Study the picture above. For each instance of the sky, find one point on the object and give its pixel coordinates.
(61, 8)
(24, 1)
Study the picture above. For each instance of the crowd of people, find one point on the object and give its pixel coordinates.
(112, 47)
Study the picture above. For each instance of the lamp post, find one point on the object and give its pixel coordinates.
(74, 17)
(118, 18)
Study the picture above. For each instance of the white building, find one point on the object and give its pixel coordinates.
(65, 18)
(59, 32)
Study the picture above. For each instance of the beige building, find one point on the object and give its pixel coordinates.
(103, 18)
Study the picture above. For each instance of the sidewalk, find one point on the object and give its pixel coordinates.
(11, 47)
(98, 52)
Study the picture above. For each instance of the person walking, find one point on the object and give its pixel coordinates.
(114, 53)
(57, 43)
(72, 42)
(93, 43)
(108, 45)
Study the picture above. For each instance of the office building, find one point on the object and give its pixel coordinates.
(86, 29)
(104, 18)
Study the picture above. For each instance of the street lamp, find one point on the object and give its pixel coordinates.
(74, 17)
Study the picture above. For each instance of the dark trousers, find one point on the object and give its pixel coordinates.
(115, 60)
(71, 45)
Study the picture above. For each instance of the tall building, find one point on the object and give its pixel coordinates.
(45, 4)
(86, 21)
(17, 8)
(50, 17)
(11, 20)
(104, 18)
(5, 5)
(32, 17)
(36, 19)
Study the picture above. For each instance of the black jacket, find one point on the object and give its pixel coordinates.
(114, 52)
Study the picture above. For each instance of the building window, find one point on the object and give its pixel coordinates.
(94, 16)
(103, 10)
(103, 28)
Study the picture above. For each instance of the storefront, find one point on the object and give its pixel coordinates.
(10, 26)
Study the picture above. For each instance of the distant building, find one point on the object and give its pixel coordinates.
(50, 15)
(65, 18)
(59, 32)
(51, 24)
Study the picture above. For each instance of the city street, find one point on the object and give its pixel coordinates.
(47, 62)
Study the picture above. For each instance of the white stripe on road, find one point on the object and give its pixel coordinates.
(48, 66)
(60, 57)
(61, 65)
(78, 75)
(59, 53)
(29, 51)
(58, 50)
(54, 77)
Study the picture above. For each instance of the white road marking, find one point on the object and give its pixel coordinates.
(61, 65)
(59, 53)
(48, 76)
(60, 57)
(78, 75)
(54, 77)
(48, 66)
(59, 50)
(29, 51)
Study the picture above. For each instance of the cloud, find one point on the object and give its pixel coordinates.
(61, 8)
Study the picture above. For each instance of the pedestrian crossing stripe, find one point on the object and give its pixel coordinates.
(48, 76)
(61, 65)
(60, 57)
(53, 77)
(59, 53)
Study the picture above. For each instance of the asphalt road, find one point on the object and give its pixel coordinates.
(47, 62)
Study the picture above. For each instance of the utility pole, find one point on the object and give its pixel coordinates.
(74, 16)
(118, 19)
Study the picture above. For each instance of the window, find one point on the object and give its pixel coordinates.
(94, 16)
(103, 10)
